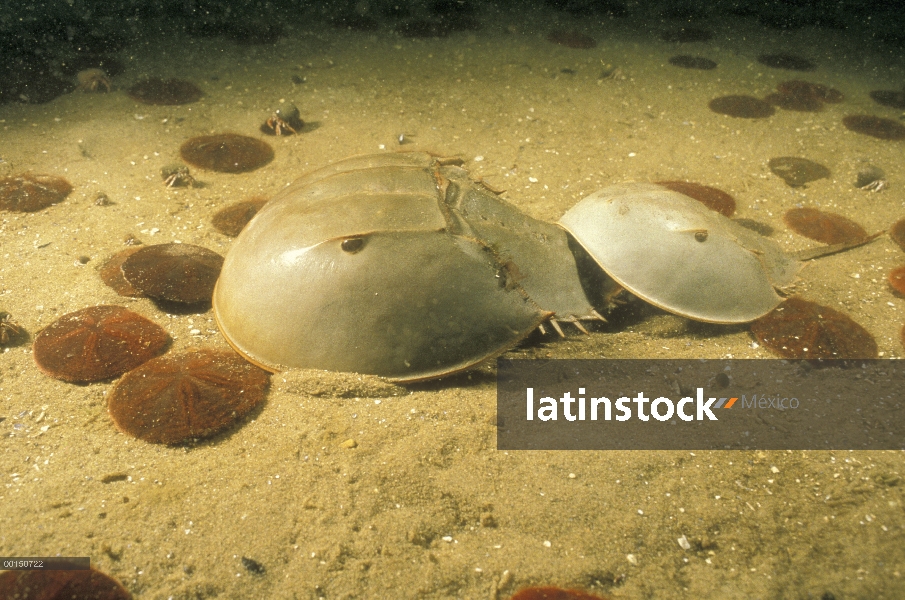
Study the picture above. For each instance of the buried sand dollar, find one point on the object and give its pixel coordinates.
(796, 171)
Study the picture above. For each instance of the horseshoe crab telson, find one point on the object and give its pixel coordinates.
(678, 255)
(393, 264)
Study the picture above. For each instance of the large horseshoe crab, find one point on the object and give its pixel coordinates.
(401, 265)
(393, 264)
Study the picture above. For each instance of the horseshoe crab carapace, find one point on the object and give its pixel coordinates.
(397, 265)
(675, 253)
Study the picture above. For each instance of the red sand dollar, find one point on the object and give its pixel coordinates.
(686, 34)
(31, 192)
(816, 90)
(553, 593)
(175, 272)
(803, 96)
(878, 127)
(233, 218)
(797, 171)
(711, 197)
(897, 279)
(897, 233)
(226, 152)
(798, 328)
(111, 273)
(891, 98)
(90, 584)
(825, 227)
(192, 394)
(692, 62)
(97, 343)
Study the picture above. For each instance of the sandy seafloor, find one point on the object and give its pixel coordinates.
(425, 506)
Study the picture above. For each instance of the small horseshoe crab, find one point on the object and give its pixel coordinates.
(401, 265)
(675, 253)
(679, 255)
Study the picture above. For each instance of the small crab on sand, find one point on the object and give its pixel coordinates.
(875, 186)
(177, 175)
(871, 179)
(9, 331)
(92, 80)
(283, 121)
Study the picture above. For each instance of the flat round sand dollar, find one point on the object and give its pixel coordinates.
(176, 272)
(897, 233)
(97, 343)
(797, 171)
(31, 192)
(692, 62)
(897, 279)
(783, 60)
(711, 197)
(822, 226)
(675, 253)
(231, 219)
(891, 98)
(111, 273)
(553, 593)
(226, 152)
(878, 127)
(799, 328)
(189, 395)
(51, 584)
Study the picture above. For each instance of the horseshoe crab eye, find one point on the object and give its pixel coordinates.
(352, 245)
(701, 236)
